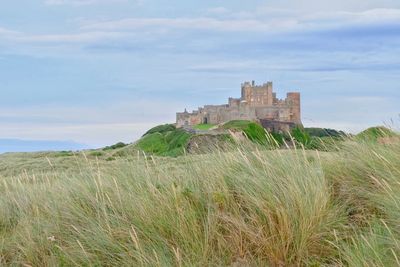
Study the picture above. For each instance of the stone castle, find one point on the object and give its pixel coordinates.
(257, 103)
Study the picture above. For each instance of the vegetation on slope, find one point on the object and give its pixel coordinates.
(374, 133)
(324, 132)
(161, 129)
(164, 143)
(308, 138)
(254, 131)
(167, 140)
(249, 207)
(115, 146)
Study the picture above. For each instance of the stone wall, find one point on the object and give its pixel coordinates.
(277, 126)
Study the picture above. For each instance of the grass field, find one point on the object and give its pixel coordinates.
(246, 207)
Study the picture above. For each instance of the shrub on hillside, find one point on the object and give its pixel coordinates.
(301, 136)
(324, 132)
(116, 146)
(161, 129)
(164, 143)
(374, 133)
(253, 131)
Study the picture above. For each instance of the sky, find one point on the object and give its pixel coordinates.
(92, 73)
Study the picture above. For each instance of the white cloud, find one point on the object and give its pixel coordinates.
(218, 11)
(263, 20)
(7, 33)
(348, 127)
(332, 6)
(81, 2)
(363, 17)
(204, 23)
(142, 29)
(83, 37)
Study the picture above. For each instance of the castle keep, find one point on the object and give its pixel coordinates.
(257, 103)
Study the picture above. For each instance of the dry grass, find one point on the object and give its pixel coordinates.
(248, 207)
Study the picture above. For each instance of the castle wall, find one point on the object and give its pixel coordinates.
(280, 113)
(277, 126)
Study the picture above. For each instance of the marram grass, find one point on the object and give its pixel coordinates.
(245, 207)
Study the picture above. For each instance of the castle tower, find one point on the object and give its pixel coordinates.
(293, 100)
(246, 92)
(270, 97)
(258, 95)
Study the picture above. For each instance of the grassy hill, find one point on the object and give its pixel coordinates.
(171, 143)
(254, 131)
(167, 140)
(374, 133)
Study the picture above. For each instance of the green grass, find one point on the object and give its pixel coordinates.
(323, 132)
(253, 131)
(246, 207)
(167, 140)
(115, 146)
(374, 133)
(169, 143)
(161, 129)
(203, 126)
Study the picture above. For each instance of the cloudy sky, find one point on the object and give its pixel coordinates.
(96, 72)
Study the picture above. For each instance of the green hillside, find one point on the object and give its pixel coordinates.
(161, 129)
(164, 141)
(167, 140)
(374, 133)
(254, 131)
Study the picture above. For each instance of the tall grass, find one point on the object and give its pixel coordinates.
(247, 207)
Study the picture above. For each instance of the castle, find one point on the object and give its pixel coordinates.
(257, 103)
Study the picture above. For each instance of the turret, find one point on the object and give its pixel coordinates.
(270, 97)
(246, 92)
(293, 100)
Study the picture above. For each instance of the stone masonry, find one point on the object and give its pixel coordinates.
(257, 103)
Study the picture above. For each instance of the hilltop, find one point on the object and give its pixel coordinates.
(167, 140)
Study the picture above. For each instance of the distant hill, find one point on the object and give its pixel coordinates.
(18, 145)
